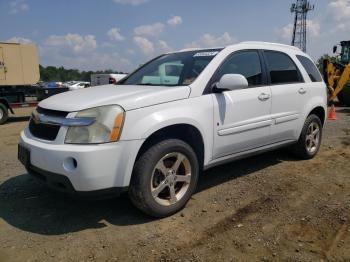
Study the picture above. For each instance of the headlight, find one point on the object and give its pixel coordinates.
(106, 127)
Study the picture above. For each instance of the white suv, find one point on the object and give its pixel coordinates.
(179, 114)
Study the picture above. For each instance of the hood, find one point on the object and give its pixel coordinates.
(128, 96)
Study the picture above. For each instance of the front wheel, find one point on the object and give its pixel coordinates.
(164, 178)
(310, 139)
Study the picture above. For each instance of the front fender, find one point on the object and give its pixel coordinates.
(197, 112)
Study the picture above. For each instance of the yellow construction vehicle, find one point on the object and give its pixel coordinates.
(337, 74)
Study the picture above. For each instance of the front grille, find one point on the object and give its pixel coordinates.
(50, 112)
(43, 131)
(46, 131)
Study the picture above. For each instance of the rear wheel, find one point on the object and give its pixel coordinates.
(310, 139)
(164, 178)
(3, 114)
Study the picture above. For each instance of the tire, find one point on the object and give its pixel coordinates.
(3, 114)
(307, 147)
(344, 95)
(156, 169)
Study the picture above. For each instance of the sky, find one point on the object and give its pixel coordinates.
(122, 34)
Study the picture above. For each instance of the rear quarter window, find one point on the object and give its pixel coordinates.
(310, 68)
(281, 68)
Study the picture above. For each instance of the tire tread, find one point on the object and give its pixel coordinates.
(299, 148)
(136, 190)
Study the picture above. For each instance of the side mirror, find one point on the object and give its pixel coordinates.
(335, 49)
(232, 82)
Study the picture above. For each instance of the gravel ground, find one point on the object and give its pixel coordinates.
(270, 207)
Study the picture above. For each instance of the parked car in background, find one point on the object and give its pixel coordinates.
(52, 84)
(78, 85)
(105, 79)
(177, 115)
(69, 83)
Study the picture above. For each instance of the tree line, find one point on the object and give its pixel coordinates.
(319, 62)
(61, 74)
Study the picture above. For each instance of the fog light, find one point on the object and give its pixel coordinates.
(70, 164)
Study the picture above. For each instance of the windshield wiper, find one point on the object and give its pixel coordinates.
(150, 84)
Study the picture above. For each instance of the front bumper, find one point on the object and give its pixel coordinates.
(81, 168)
(63, 184)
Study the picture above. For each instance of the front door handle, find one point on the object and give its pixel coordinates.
(264, 97)
(302, 91)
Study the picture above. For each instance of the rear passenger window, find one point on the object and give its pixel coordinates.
(281, 68)
(246, 63)
(310, 68)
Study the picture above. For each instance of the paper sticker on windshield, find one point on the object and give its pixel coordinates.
(206, 54)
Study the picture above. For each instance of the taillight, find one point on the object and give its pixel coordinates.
(112, 81)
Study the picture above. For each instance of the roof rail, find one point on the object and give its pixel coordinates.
(268, 43)
(188, 49)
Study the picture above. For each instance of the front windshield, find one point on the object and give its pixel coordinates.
(176, 69)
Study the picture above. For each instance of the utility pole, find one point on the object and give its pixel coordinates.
(301, 9)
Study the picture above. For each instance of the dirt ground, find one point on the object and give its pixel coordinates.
(271, 207)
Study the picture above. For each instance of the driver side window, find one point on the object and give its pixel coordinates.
(246, 63)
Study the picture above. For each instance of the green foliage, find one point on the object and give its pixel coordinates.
(60, 74)
(322, 58)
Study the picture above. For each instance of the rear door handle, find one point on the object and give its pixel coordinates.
(264, 97)
(302, 91)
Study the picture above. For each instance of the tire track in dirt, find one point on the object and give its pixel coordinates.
(293, 233)
(264, 204)
(340, 234)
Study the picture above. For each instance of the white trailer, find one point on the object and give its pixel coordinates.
(105, 79)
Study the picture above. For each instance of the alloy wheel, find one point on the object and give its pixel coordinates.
(171, 178)
(312, 137)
